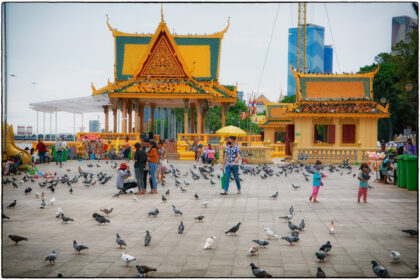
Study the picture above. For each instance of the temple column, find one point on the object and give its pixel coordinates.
(130, 116)
(185, 115)
(199, 118)
(136, 118)
(140, 107)
(124, 116)
(192, 117)
(152, 125)
(223, 115)
(162, 123)
(106, 109)
(114, 112)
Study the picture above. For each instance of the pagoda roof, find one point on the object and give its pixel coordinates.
(334, 87)
(200, 53)
(262, 99)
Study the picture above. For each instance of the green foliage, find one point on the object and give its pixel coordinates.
(397, 69)
(289, 99)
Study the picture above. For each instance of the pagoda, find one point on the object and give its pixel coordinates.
(164, 70)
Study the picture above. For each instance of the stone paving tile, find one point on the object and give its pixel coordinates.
(363, 231)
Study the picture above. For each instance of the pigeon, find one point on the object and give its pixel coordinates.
(181, 228)
(292, 226)
(78, 247)
(37, 195)
(209, 242)
(321, 256)
(15, 186)
(17, 238)
(259, 272)
(12, 205)
(71, 190)
(287, 217)
(182, 189)
(196, 196)
(301, 225)
(274, 196)
(186, 183)
(52, 200)
(147, 238)
(51, 257)
(199, 218)
(59, 212)
(253, 250)
(295, 186)
(144, 269)
(120, 241)
(212, 183)
(331, 228)
(205, 203)
(3, 216)
(94, 215)
(153, 213)
(395, 256)
(127, 258)
(320, 273)
(102, 220)
(107, 211)
(167, 193)
(66, 219)
(262, 243)
(379, 270)
(326, 247)
(176, 210)
(411, 232)
(233, 229)
(163, 198)
(43, 204)
(28, 190)
(270, 234)
(117, 194)
(291, 239)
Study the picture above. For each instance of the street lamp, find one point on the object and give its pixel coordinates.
(384, 102)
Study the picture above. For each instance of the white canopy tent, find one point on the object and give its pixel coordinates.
(79, 105)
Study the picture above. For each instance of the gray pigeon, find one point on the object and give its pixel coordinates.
(287, 218)
(78, 247)
(301, 225)
(154, 212)
(379, 270)
(199, 218)
(320, 273)
(147, 238)
(259, 272)
(182, 189)
(292, 226)
(12, 205)
(196, 196)
(274, 196)
(43, 204)
(295, 186)
(262, 243)
(17, 238)
(102, 220)
(291, 210)
(291, 239)
(66, 219)
(163, 198)
(120, 241)
(51, 257)
(295, 233)
(176, 210)
(233, 229)
(326, 247)
(181, 228)
(321, 256)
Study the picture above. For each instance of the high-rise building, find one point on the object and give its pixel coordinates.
(401, 27)
(240, 96)
(93, 126)
(319, 57)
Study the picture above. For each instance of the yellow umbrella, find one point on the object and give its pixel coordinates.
(231, 131)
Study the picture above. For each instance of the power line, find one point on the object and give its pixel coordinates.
(332, 38)
(268, 48)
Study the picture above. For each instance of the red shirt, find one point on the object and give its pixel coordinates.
(41, 147)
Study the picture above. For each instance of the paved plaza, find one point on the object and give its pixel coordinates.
(363, 231)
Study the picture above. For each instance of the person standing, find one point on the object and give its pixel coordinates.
(42, 149)
(410, 148)
(140, 160)
(59, 151)
(126, 150)
(85, 145)
(316, 182)
(363, 182)
(230, 164)
(153, 160)
(162, 161)
(99, 149)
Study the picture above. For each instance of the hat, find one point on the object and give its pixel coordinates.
(123, 166)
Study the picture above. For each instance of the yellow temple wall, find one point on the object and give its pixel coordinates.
(269, 134)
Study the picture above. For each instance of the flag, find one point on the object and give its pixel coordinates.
(249, 107)
(243, 115)
(254, 107)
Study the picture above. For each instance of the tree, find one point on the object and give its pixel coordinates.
(289, 99)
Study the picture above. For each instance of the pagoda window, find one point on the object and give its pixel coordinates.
(348, 134)
(324, 134)
(279, 137)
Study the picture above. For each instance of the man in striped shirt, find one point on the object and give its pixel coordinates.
(230, 164)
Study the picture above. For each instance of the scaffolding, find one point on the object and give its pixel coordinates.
(301, 34)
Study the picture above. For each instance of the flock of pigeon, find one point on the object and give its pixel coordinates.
(207, 173)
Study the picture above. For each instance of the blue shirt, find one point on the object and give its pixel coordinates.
(384, 165)
(232, 153)
(361, 183)
(316, 182)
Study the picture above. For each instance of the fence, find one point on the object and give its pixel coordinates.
(333, 156)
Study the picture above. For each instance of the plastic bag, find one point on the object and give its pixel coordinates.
(223, 180)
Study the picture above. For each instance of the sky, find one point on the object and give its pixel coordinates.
(55, 50)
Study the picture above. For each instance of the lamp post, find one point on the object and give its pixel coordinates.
(384, 102)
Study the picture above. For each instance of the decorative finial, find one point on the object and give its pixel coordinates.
(161, 12)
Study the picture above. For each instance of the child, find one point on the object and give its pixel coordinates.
(316, 182)
(363, 182)
(123, 172)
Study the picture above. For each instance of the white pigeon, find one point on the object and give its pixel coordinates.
(52, 200)
(37, 195)
(59, 212)
(127, 258)
(209, 242)
(331, 228)
(205, 203)
(135, 198)
(395, 256)
(253, 250)
(270, 234)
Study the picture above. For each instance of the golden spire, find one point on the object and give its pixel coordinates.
(161, 12)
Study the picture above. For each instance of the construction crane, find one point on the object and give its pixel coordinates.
(301, 35)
